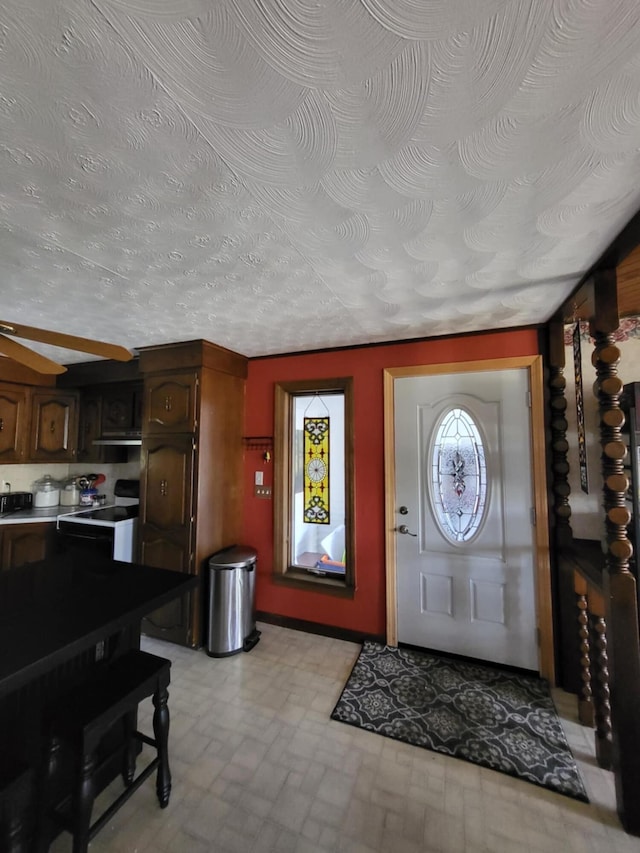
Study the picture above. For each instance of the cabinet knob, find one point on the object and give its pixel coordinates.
(163, 488)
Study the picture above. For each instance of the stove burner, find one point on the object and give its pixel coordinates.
(110, 513)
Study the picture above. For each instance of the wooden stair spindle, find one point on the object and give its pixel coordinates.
(601, 692)
(585, 700)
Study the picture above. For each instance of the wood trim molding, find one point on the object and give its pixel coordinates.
(388, 378)
(320, 629)
(543, 568)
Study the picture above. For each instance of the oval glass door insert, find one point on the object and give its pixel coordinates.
(458, 476)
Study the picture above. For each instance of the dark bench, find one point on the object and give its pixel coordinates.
(16, 781)
(77, 728)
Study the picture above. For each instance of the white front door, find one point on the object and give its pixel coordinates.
(465, 538)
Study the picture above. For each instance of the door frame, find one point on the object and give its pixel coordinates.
(542, 579)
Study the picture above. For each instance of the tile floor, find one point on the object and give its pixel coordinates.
(258, 766)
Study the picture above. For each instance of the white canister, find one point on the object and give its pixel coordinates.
(46, 492)
(70, 494)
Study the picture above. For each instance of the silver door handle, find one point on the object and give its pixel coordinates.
(404, 529)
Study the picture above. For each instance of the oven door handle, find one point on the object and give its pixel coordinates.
(93, 537)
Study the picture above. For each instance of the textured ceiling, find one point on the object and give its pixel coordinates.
(283, 175)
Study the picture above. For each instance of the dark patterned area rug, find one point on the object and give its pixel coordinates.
(490, 717)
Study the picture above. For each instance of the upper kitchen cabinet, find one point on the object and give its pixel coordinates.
(54, 426)
(37, 424)
(14, 419)
(170, 403)
(191, 474)
(110, 407)
(90, 428)
(121, 408)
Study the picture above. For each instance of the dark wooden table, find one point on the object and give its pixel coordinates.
(53, 611)
(59, 620)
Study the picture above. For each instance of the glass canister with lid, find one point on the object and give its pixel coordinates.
(70, 493)
(46, 492)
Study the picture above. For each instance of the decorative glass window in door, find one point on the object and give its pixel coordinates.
(458, 476)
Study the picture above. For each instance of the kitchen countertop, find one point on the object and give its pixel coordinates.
(26, 516)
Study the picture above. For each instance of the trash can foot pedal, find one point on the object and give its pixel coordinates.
(251, 640)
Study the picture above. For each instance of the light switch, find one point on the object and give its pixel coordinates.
(259, 478)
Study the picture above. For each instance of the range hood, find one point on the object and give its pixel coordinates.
(128, 438)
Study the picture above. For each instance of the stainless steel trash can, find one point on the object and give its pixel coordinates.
(231, 618)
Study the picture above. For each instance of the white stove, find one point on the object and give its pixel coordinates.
(110, 529)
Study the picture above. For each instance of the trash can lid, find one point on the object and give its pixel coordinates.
(233, 557)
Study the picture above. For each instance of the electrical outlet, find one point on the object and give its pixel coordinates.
(262, 491)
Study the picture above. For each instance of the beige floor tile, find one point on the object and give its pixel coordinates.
(259, 767)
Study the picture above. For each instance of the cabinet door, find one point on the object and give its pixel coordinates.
(170, 403)
(167, 483)
(166, 526)
(89, 429)
(173, 621)
(121, 409)
(26, 543)
(54, 426)
(13, 423)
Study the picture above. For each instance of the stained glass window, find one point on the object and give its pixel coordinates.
(316, 470)
(458, 476)
(318, 491)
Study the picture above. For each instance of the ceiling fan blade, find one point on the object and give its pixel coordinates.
(59, 339)
(28, 357)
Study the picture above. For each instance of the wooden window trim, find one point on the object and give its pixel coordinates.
(284, 573)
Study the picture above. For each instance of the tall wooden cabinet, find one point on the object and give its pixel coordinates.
(191, 471)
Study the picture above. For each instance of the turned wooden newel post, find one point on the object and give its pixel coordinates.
(621, 607)
(569, 654)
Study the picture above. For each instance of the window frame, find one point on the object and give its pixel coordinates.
(283, 571)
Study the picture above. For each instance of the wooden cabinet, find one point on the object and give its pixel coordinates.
(25, 543)
(60, 424)
(167, 523)
(108, 411)
(90, 428)
(37, 424)
(171, 403)
(54, 426)
(191, 470)
(168, 464)
(121, 408)
(14, 419)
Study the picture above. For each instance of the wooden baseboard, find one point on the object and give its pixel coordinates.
(316, 628)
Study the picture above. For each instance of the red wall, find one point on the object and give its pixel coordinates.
(366, 611)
